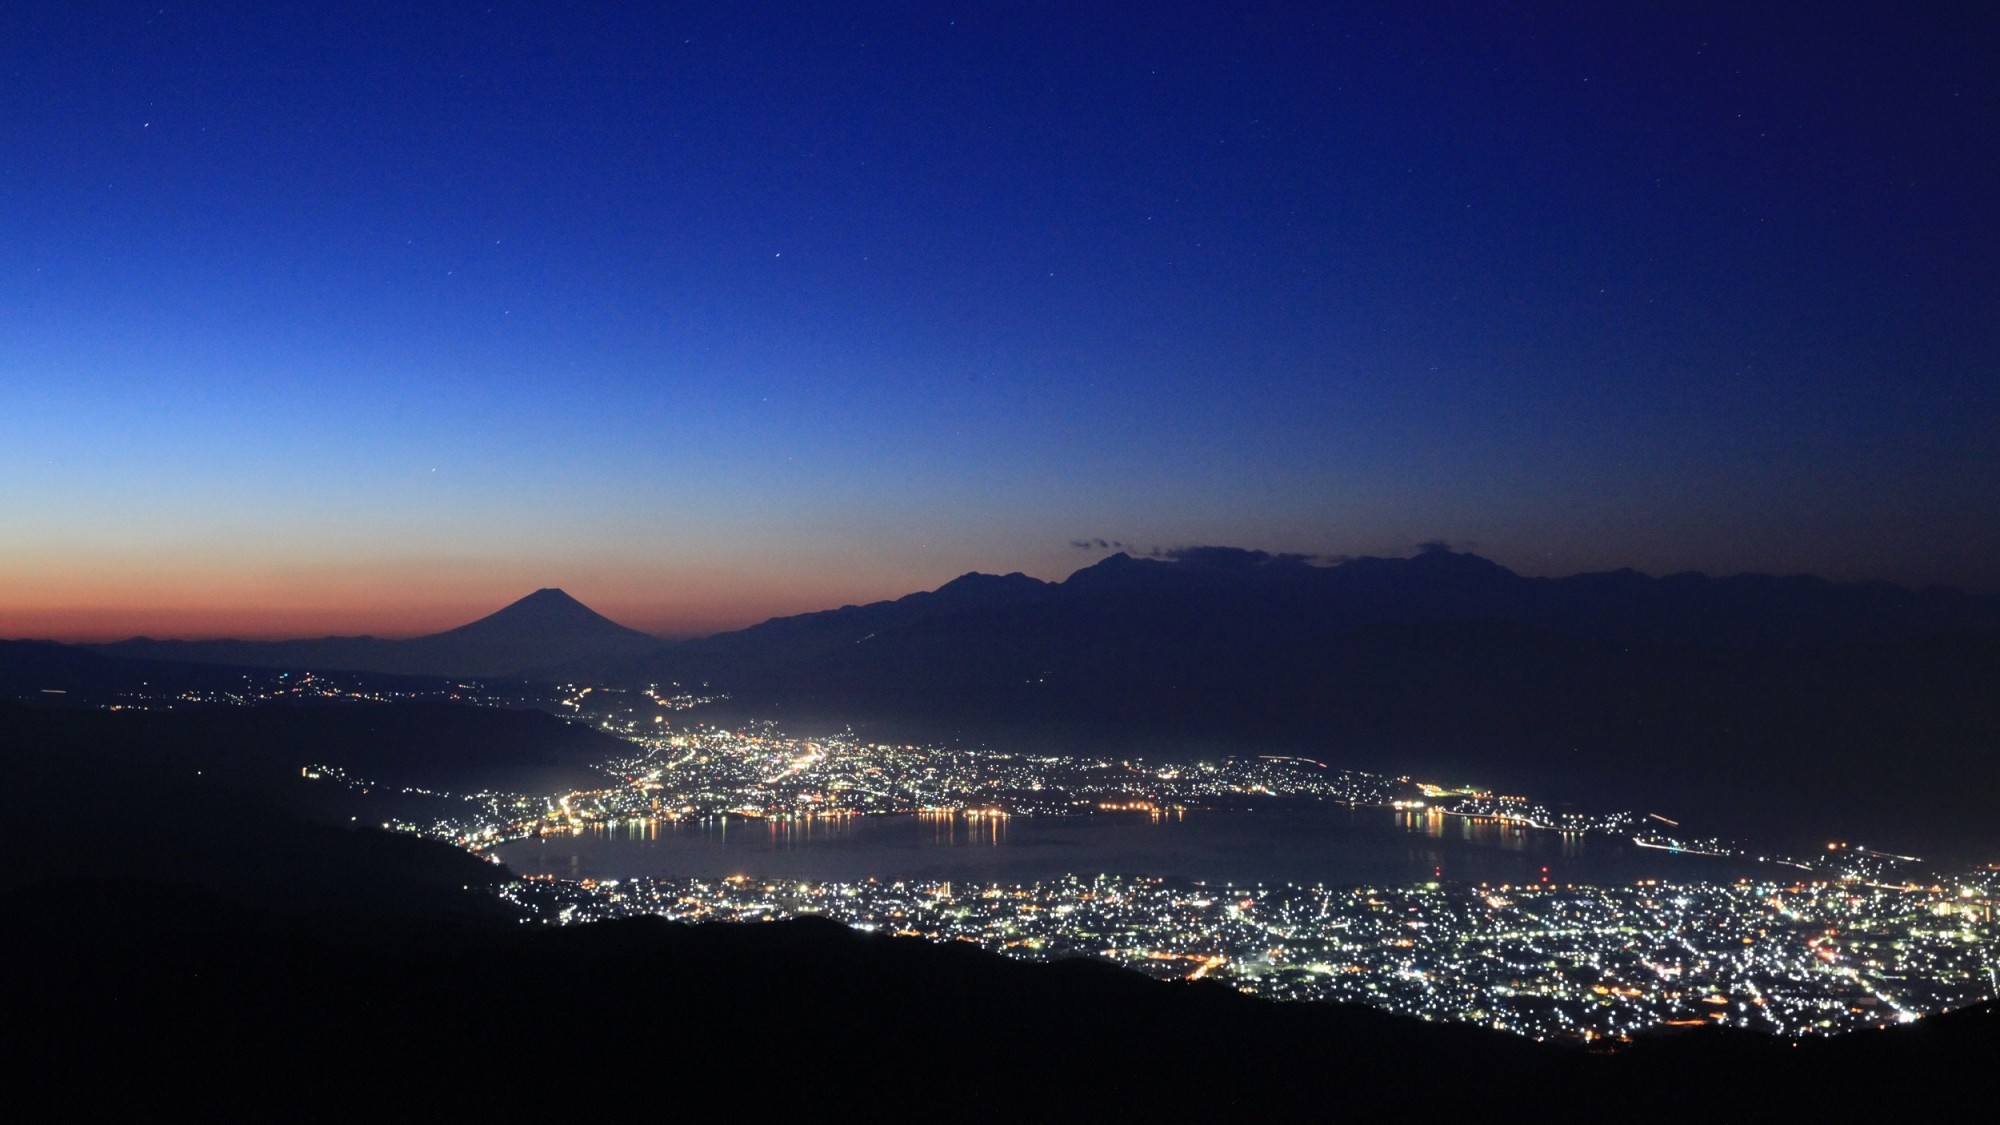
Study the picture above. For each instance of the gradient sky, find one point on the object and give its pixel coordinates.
(372, 318)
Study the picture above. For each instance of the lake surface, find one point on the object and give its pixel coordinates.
(1333, 846)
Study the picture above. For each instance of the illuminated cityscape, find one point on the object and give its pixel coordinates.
(1551, 962)
(1845, 939)
(1830, 943)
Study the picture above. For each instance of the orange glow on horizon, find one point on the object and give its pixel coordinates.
(381, 606)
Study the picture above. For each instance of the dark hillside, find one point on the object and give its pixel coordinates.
(261, 749)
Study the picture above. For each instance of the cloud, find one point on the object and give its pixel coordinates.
(1433, 546)
(1231, 557)
(1203, 554)
(1238, 557)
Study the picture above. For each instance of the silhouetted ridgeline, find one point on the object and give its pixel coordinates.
(1279, 599)
(1272, 600)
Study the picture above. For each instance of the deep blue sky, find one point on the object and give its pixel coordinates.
(348, 317)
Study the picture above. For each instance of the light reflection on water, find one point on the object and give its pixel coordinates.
(1333, 845)
(1489, 832)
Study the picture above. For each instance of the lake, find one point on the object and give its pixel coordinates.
(1331, 845)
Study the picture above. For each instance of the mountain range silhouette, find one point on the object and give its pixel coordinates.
(1265, 599)
(1789, 703)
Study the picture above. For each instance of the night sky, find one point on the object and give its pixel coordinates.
(363, 318)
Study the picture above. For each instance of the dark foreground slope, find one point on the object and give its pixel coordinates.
(258, 751)
(216, 799)
(49, 673)
(176, 946)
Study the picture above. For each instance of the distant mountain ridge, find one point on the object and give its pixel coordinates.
(1200, 592)
(1796, 699)
(545, 629)
(1208, 592)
